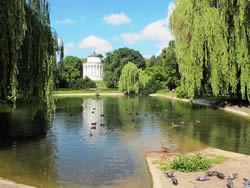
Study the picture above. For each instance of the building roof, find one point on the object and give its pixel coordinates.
(95, 55)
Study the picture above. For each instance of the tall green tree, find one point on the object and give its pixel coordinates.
(114, 63)
(170, 66)
(27, 53)
(212, 43)
(70, 69)
(132, 80)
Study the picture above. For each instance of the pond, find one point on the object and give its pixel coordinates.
(65, 155)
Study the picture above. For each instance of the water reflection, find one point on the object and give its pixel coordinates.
(64, 153)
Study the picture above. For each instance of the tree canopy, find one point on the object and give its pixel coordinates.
(132, 80)
(69, 69)
(27, 53)
(212, 43)
(114, 63)
(170, 66)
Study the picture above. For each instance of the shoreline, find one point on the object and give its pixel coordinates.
(87, 94)
(234, 163)
(234, 109)
(11, 184)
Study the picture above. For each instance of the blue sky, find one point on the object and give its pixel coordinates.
(103, 26)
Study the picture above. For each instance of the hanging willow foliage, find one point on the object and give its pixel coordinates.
(28, 49)
(132, 79)
(212, 45)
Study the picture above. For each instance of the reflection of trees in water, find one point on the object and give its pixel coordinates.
(22, 124)
(122, 113)
(216, 128)
(26, 154)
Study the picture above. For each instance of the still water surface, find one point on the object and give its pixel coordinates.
(65, 155)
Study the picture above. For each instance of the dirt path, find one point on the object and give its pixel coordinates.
(235, 163)
(243, 111)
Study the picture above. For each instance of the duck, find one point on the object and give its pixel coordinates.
(174, 181)
(93, 127)
(103, 132)
(164, 149)
(202, 178)
(175, 125)
(90, 134)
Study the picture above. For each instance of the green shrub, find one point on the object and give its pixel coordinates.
(180, 93)
(82, 83)
(152, 86)
(190, 163)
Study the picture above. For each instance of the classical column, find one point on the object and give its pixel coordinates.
(92, 72)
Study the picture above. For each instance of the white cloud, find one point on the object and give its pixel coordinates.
(117, 19)
(65, 21)
(158, 31)
(98, 44)
(70, 45)
(131, 38)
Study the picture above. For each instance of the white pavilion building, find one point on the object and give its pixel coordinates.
(94, 67)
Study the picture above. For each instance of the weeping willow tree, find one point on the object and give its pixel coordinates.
(212, 45)
(132, 79)
(27, 54)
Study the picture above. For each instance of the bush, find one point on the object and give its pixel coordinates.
(82, 83)
(152, 86)
(180, 93)
(190, 163)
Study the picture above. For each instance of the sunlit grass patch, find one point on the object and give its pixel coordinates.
(218, 159)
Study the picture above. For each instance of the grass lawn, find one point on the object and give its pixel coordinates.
(98, 90)
(166, 92)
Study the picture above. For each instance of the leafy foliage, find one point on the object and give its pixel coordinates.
(132, 80)
(114, 63)
(190, 163)
(27, 53)
(82, 83)
(69, 70)
(212, 45)
(153, 61)
(170, 66)
(180, 92)
(157, 81)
